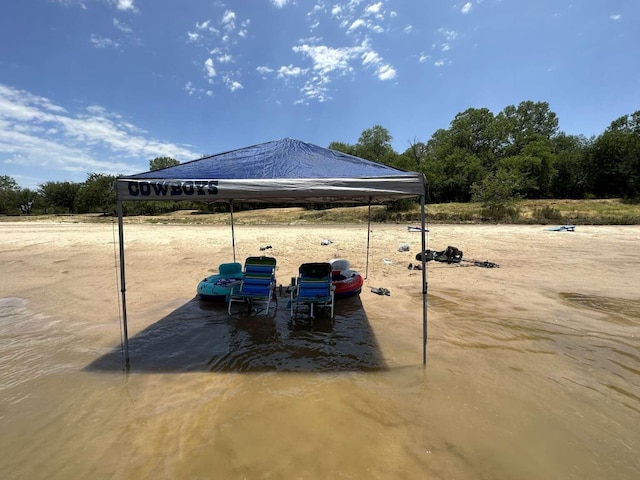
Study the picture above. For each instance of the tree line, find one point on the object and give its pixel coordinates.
(495, 159)
(517, 154)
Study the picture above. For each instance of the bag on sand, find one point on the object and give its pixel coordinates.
(450, 255)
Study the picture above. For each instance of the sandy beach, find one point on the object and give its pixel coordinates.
(533, 368)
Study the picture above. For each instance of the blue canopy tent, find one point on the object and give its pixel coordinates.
(281, 171)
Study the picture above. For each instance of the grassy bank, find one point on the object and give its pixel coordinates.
(545, 212)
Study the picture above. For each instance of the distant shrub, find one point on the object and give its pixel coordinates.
(500, 213)
(548, 213)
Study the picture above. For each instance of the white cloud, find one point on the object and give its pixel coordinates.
(229, 21)
(69, 3)
(374, 8)
(448, 34)
(123, 27)
(219, 44)
(125, 5)
(209, 68)
(189, 88)
(423, 57)
(207, 27)
(327, 59)
(407, 29)
(351, 17)
(616, 16)
(103, 42)
(445, 47)
(370, 57)
(38, 134)
(279, 3)
(263, 70)
(356, 24)
(439, 63)
(466, 8)
(242, 32)
(231, 84)
(290, 71)
(386, 72)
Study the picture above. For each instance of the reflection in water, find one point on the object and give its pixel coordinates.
(200, 336)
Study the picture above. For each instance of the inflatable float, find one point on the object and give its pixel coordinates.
(346, 281)
(564, 228)
(216, 287)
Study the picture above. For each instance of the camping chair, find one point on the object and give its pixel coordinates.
(258, 283)
(313, 288)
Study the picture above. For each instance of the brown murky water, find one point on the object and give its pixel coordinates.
(530, 375)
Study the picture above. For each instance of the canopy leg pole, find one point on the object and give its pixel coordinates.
(123, 289)
(366, 270)
(233, 233)
(425, 284)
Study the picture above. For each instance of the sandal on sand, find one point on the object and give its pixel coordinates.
(381, 291)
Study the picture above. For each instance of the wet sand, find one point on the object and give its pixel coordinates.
(533, 368)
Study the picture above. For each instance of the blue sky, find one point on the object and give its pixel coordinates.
(104, 86)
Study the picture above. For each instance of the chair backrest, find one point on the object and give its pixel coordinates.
(259, 274)
(260, 266)
(318, 270)
(314, 279)
(231, 268)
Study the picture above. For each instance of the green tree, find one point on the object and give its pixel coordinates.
(476, 131)
(572, 153)
(455, 158)
(497, 192)
(159, 163)
(528, 122)
(9, 190)
(343, 147)
(375, 144)
(614, 165)
(61, 196)
(413, 156)
(97, 194)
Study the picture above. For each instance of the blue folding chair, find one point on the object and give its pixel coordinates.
(257, 285)
(313, 288)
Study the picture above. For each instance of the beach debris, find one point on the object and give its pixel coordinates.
(266, 247)
(411, 266)
(326, 242)
(387, 261)
(563, 228)
(403, 247)
(450, 255)
(485, 264)
(412, 228)
(381, 291)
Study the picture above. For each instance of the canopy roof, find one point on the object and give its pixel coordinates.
(285, 170)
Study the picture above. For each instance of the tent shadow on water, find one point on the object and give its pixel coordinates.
(203, 337)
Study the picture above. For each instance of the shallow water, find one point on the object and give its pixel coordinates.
(213, 396)
(506, 393)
